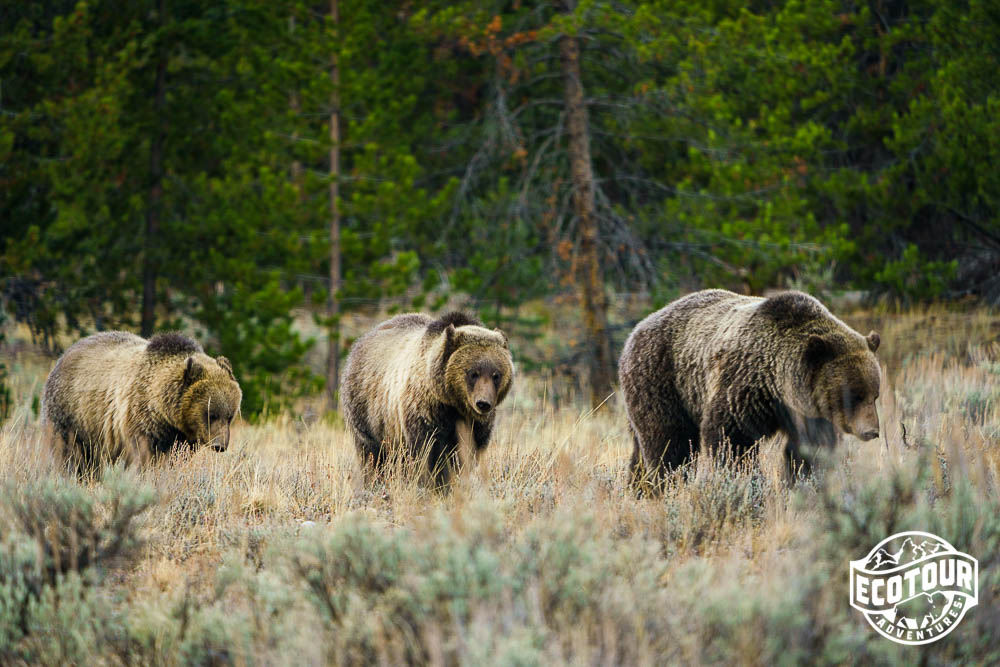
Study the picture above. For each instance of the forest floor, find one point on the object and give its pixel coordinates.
(276, 552)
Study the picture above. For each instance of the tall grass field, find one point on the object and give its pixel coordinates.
(276, 552)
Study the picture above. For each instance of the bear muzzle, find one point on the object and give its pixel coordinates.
(861, 430)
(484, 395)
(219, 439)
(864, 425)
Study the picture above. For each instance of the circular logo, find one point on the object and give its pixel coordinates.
(914, 587)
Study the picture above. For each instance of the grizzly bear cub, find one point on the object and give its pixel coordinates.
(716, 367)
(425, 390)
(115, 395)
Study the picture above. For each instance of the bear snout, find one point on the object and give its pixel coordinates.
(483, 395)
(219, 441)
(864, 425)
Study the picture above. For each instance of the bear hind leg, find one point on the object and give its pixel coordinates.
(372, 454)
(661, 445)
(644, 480)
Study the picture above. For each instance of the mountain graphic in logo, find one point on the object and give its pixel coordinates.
(907, 552)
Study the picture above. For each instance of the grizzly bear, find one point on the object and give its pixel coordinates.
(115, 395)
(716, 367)
(425, 390)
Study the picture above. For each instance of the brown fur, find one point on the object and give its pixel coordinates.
(715, 366)
(115, 395)
(419, 386)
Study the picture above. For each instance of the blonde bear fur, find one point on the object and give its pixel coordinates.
(115, 395)
(425, 389)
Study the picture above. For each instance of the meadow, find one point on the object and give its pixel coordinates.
(275, 552)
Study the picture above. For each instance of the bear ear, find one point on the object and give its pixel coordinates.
(818, 351)
(192, 371)
(226, 366)
(504, 336)
(450, 341)
(873, 341)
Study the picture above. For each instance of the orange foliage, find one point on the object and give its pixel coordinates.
(493, 43)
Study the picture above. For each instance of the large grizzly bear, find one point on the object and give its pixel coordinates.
(425, 389)
(115, 395)
(716, 365)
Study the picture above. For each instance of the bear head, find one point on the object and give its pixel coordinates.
(478, 369)
(210, 399)
(844, 378)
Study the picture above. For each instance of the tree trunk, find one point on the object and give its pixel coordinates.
(590, 282)
(150, 267)
(295, 105)
(333, 305)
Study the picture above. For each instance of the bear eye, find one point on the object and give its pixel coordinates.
(496, 376)
(474, 375)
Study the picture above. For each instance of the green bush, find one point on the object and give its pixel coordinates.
(59, 543)
(801, 612)
(443, 593)
(77, 529)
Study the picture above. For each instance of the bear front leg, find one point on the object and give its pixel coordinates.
(467, 451)
(813, 432)
(139, 450)
(723, 432)
(481, 432)
(819, 432)
(442, 459)
(433, 444)
(797, 462)
(716, 430)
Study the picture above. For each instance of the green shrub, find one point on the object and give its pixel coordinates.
(77, 529)
(559, 587)
(59, 542)
(799, 612)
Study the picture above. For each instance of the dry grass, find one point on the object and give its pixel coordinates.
(275, 552)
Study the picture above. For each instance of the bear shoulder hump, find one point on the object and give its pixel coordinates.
(172, 344)
(791, 309)
(454, 318)
(404, 321)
